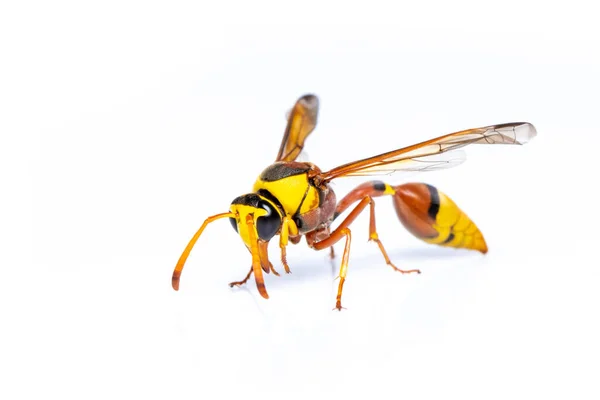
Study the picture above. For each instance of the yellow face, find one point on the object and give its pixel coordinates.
(266, 216)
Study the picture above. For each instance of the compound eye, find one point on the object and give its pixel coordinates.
(233, 223)
(268, 225)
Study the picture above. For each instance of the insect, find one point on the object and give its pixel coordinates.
(294, 199)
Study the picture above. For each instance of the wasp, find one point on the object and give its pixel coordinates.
(292, 199)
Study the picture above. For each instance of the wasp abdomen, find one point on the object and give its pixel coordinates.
(433, 217)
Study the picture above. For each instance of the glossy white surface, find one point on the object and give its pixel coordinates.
(124, 126)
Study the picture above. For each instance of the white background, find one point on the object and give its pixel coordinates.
(124, 124)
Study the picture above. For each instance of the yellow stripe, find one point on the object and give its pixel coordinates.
(451, 220)
(291, 191)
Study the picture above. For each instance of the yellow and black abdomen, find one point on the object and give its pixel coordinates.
(434, 218)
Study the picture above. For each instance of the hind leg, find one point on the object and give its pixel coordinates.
(373, 236)
(370, 190)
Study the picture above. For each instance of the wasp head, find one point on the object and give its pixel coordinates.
(264, 214)
(256, 219)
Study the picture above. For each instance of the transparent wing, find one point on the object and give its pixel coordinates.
(434, 154)
(434, 162)
(302, 119)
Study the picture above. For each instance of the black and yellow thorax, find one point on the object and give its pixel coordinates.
(290, 183)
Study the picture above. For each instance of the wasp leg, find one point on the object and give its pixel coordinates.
(340, 232)
(263, 254)
(343, 268)
(240, 283)
(331, 253)
(266, 265)
(273, 269)
(370, 190)
(284, 261)
(257, 263)
(288, 227)
(373, 236)
(335, 237)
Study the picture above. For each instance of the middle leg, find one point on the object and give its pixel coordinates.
(322, 239)
(316, 240)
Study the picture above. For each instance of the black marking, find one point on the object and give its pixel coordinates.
(336, 214)
(450, 238)
(280, 170)
(267, 195)
(233, 223)
(297, 220)
(257, 200)
(250, 199)
(321, 194)
(434, 202)
(302, 201)
(379, 186)
(268, 225)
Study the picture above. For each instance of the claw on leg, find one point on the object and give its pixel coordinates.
(284, 261)
(339, 233)
(338, 300)
(288, 227)
(375, 239)
(240, 283)
(373, 236)
(273, 270)
(343, 268)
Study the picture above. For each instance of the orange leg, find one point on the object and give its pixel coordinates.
(334, 237)
(343, 269)
(284, 261)
(273, 270)
(375, 238)
(240, 283)
(288, 227)
(339, 233)
(257, 265)
(371, 189)
(343, 231)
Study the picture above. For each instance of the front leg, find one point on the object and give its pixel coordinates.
(288, 228)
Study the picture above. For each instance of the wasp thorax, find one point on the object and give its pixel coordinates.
(266, 216)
